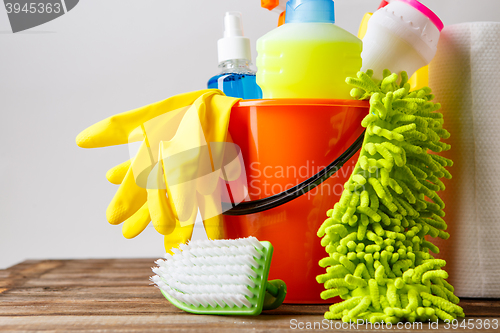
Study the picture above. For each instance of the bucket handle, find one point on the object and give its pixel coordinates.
(257, 206)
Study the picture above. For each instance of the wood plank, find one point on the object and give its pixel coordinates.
(19, 274)
(116, 295)
(147, 299)
(481, 307)
(191, 323)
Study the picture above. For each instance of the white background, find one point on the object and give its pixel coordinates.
(102, 58)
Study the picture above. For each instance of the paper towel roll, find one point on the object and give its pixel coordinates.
(465, 77)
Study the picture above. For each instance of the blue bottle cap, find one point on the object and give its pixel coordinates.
(301, 11)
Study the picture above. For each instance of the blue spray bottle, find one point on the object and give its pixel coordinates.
(236, 79)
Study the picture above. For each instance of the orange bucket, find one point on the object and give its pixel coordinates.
(293, 151)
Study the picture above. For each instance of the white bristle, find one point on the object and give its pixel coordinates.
(183, 247)
(210, 272)
(207, 288)
(218, 300)
(220, 280)
(226, 243)
(168, 256)
(225, 260)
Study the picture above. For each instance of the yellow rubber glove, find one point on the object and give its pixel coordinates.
(124, 128)
(143, 195)
(160, 211)
(199, 149)
(116, 129)
(136, 224)
(116, 174)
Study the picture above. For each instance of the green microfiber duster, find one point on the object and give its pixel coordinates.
(379, 260)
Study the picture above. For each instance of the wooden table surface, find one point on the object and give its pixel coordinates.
(115, 295)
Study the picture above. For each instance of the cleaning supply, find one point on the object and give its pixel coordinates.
(183, 153)
(236, 78)
(402, 35)
(418, 80)
(364, 22)
(375, 236)
(277, 6)
(224, 277)
(309, 56)
(292, 181)
(464, 74)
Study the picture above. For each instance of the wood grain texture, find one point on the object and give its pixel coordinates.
(115, 295)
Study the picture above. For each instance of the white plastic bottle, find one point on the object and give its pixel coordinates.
(401, 36)
(236, 78)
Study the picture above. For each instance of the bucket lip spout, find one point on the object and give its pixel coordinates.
(302, 102)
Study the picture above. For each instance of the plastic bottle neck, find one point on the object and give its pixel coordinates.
(314, 11)
(235, 66)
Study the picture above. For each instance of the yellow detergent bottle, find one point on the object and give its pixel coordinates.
(309, 56)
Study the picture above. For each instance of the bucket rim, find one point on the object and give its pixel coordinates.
(301, 102)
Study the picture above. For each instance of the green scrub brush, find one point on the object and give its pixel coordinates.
(224, 277)
(375, 236)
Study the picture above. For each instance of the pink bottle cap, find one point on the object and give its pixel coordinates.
(427, 12)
